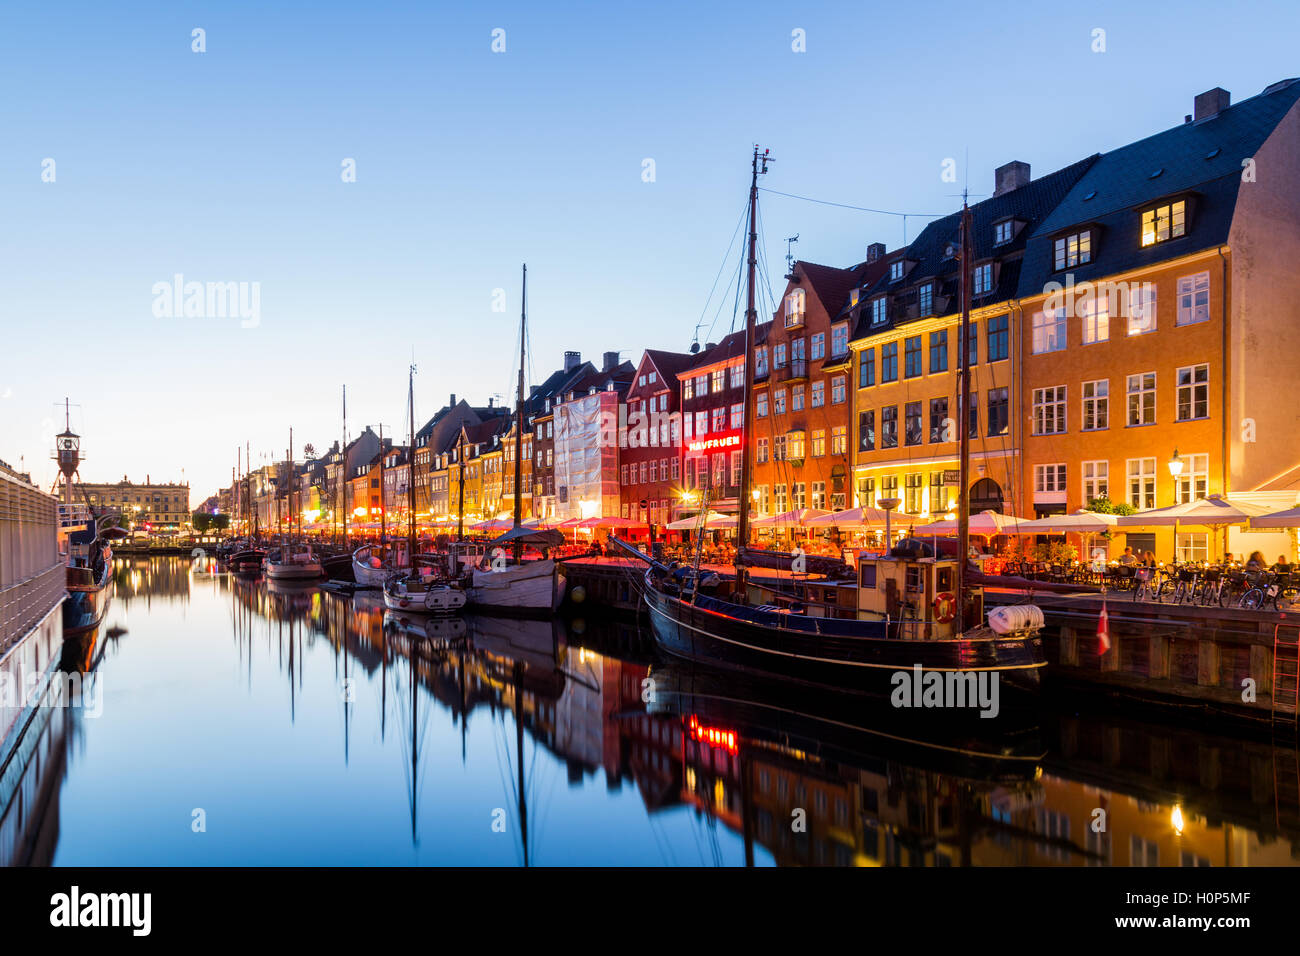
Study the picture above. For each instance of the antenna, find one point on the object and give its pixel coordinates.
(789, 255)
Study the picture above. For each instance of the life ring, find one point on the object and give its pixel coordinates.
(945, 607)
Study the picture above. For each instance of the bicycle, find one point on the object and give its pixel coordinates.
(1144, 587)
(1185, 590)
(1212, 589)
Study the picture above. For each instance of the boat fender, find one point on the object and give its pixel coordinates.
(578, 594)
(1015, 617)
(945, 607)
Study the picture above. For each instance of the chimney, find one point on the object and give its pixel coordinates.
(572, 360)
(1211, 102)
(875, 251)
(1011, 176)
(611, 362)
(452, 404)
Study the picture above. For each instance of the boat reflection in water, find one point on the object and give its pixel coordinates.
(482, 740)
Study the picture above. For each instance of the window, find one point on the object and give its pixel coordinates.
(889, 362)
(1096, 480)
(1073, 250)
(912, 434)
(738, 415)
(1142, 483)
(1049, 331)
(1049, 410)
(1143, 852)
(819, 345)
(912, 485)
(760, 364)
(1096, 405)
(839, 340)
(973, 417)
(818, 394)
(939, 351)
(778, 355)
(867, 430)
(867, 496)
(1193, 546)
(1002, 232)
(818, 495)
(701, 424)
(889, 426)
(983, 279)
(796, 398)
(867, 370)
(761, 452)
(1194, 299)
(1194, 482)
(925, 299)
(1049, 479)
(794, 308)
(1193, 392)
(800, 498)
(839, 391)
(737, 381)
(778, 402)
(1095, 313)
(973, 344)
(999, 412)
(896, 271)
(780, 506)
(939, 420)
(912, 357)
(818, 445)
(1142, 309)
(1142, 399)
(622, 475)
(760, 403)
(938, 493)
(719, 380)
(997, 339)
(1163, 223)
(840, 440)
(879, 310)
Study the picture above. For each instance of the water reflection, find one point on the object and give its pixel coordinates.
(318, 729)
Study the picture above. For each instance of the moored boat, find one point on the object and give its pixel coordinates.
(421, 593)
(292, 564)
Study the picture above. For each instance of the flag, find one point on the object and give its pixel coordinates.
(1103, 630)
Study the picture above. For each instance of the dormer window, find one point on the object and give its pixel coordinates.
(1003, 232)
(983, 279)
(794, 308)
(1163, 223)
(853, 298)
(1073, 250)
(896, 271)
(879, 311)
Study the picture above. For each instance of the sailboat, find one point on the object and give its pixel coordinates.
(913, 614)
(418, 590)
(85, 544)
(517, 585)
(293, 561)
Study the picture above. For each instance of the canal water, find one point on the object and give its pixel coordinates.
(227, 722)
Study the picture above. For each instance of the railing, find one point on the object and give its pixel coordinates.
(798, 368)
(24, 603)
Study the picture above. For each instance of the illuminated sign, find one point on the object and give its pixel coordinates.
(713, 444)
(714, 736)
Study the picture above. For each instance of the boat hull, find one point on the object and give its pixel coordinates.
(844, 655)
(530, 587)
(85, 607)
(364, 572)
(294, 572)
(439, 599)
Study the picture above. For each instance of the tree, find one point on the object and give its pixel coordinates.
(220, 522)
(1104, 506)
(201, 521)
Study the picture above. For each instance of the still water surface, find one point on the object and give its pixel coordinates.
(247, 725)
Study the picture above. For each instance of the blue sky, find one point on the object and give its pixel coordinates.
(224, 166)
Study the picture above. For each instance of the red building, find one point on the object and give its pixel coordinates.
(650, 446)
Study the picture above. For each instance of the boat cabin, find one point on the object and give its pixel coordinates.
(917, 593)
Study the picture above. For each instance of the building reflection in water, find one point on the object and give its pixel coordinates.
(798, 781)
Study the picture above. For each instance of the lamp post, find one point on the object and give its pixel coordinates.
(889, 504)
(1175, 469)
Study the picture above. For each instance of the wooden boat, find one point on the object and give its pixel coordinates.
(293, 564)
(368, 568)
(85, 545)
(421, 593)
(247, 561)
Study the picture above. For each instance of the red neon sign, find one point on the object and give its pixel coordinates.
(714, 736)
(712, 444)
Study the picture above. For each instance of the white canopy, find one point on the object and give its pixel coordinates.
(867, 517)
(715, 520)
(1080, 522)
(798, 517)
(1278, 519)
(1211, 512)
(986, 523)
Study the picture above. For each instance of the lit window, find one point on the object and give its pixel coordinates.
(983, 279)
(1163, 223)
(794, 308)
(1194, 298)
(1049, 331)
(1142, 399)
(1002, 232)
(1142, 308)
(1193, 392)
(1073, 250)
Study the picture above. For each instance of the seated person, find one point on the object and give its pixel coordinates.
(1283, 566)
(1128, 558)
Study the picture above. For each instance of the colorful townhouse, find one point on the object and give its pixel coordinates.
(713, 410)
(650, 438)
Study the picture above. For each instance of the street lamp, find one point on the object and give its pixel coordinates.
(1175, 469)
(889, 504)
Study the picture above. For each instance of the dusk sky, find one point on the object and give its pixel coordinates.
(225, 166)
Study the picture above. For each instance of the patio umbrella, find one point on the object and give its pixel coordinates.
(865, 517)
(1080, 522)
(985, 524)
(616, 523)
(800, 517)
(713, 521)
(1278, 519)
(1213, 512)
(493, 524)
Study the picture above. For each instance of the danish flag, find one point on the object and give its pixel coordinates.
(1103, 630)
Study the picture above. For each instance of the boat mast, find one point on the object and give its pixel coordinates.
(383, 500)
(963, 499)
(410, 480)
(460, 485)
(751, 313)
(292, 482)
(343, 467)
(519, 416)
